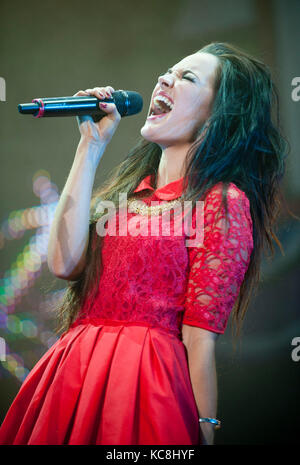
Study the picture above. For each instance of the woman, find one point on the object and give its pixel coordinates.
(142, 314)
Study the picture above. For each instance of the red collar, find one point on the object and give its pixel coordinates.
(170, 191)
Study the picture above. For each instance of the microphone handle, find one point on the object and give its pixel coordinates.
(64, 106)
(74, 106)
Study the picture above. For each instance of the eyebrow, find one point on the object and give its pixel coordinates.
(185, 71)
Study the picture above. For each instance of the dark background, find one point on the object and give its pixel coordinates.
(54, 48)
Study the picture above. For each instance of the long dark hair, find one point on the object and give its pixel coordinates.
(241, 143)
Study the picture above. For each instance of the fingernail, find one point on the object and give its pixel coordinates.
(102, 104)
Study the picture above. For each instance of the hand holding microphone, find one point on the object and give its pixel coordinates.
(100, 131)
(91, 105)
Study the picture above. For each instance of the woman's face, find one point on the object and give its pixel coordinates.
(181, 101)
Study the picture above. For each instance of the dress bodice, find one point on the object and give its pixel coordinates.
(156, 279)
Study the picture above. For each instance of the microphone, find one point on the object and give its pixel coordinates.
(127, 103)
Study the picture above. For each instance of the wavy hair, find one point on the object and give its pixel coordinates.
(241, 142)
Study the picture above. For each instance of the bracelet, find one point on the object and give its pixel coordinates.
(216, 423)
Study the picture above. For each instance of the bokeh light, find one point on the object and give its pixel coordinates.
(23, 273)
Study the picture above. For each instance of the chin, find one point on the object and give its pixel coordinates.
(152, 135)
(146, 133)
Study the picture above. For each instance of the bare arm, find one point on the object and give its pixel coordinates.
(70, 228)
(200, 345)
(69, 232)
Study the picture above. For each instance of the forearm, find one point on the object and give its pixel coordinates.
(70, 227)
(200, 345)
(204, 384)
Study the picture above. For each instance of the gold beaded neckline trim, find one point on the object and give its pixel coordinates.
(139, 207)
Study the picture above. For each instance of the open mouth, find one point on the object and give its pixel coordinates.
(160, 107)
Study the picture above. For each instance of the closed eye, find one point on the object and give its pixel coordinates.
(184, 75)
(189, 78)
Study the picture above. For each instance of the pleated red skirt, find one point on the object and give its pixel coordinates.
(112, 384)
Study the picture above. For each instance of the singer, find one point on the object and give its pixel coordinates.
(135, 363)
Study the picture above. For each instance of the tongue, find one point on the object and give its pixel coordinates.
(159, 111)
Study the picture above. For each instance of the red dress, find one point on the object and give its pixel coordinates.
(119, 375)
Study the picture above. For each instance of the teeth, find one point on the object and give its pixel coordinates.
(162, 98)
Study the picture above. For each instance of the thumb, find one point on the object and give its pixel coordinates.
(110, 109)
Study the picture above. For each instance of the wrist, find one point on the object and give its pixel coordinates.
(206, 434)
(86, 143)
(91, 151)
(214, 422)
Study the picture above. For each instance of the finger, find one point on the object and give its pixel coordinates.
(106, 91)
(99, 92)
(110, 109)
(80, 92)
(109, 90)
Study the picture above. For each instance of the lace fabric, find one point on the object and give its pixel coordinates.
(217, 269)
(157, 280)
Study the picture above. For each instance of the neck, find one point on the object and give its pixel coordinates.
(171, 164)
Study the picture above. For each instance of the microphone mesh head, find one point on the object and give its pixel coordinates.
(136, 103)
(128, 102)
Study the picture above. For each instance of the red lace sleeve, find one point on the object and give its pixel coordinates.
(217, 268)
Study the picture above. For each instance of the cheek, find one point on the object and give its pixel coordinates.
(201, 108)
(193, 116)
(207, 102)
(194, 111)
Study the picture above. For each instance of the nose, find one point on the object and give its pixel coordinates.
(166, 80)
